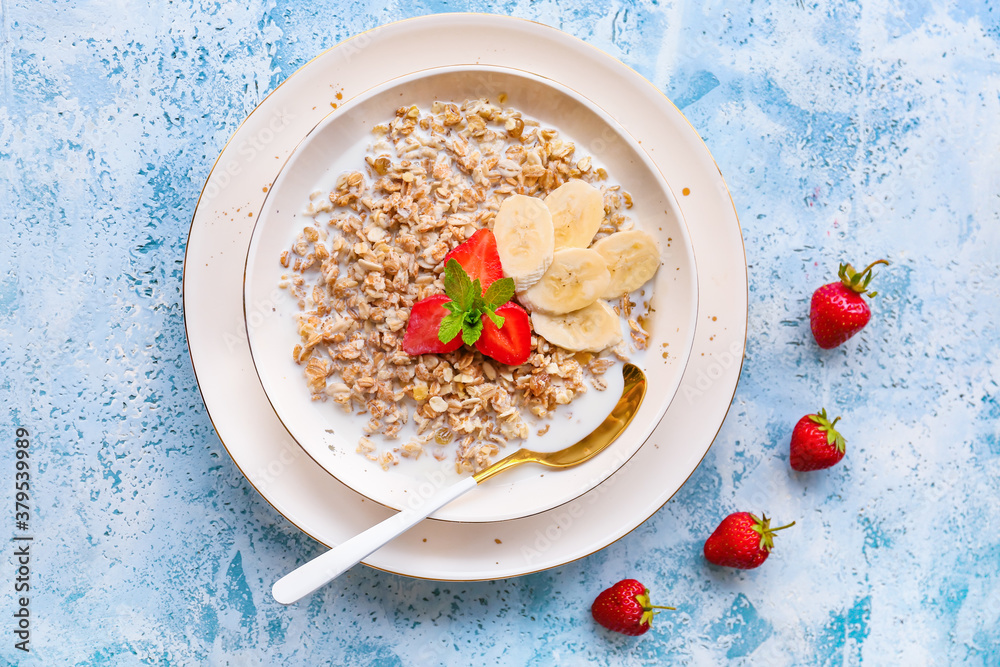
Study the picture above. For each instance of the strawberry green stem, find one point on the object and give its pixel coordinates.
(833, 437)
(874, 264)
(647, 608)
(858, 280)
(763, 526)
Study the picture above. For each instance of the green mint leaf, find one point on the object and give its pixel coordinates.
(472, 332)
(499, 293)
(468, 304)
(451, 326)
(477, 306)
(496, 319)
(473, 318)
(458, 285)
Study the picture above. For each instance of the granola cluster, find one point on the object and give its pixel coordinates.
(375, 248)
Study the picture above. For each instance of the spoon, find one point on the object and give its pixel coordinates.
(323, 569)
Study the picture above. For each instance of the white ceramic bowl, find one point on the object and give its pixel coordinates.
(329, 435)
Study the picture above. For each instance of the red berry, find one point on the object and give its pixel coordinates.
(479, 257)
(816, 444)
(510, 344)
(422, 328)
(837, 310)
(625, 608)
(742, 541)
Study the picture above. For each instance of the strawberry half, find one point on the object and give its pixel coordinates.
(510, 344)
(479, 257)
(816, 444)
(625, 608)
(742, 541)
(422, 328)
(837, 310)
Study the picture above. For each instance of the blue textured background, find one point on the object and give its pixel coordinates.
(846, 131)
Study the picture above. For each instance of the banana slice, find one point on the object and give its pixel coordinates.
(576, 278)
(525, 239)
(590, 329)
(577, 211)
(632, 258)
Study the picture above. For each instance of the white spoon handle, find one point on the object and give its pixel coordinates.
(306, 578)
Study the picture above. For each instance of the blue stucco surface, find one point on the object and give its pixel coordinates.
(845, 130)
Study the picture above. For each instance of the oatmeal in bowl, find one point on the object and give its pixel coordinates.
(461, 279)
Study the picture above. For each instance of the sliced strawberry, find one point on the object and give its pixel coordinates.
(479, 257)
(422, 329)
(510, 344)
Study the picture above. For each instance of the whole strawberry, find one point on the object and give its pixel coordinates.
(838, 310)
(741, 540)
(816, 444)
(625, 608)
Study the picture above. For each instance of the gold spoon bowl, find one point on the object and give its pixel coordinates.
(591, 445)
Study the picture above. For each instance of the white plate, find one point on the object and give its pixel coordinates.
(330, 436)
(304, 492)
